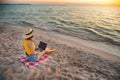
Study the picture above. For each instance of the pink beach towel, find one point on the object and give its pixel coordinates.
(30, 64)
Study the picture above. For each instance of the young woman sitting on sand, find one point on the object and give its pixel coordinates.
(29, 46)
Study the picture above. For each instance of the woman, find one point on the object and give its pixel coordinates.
(30, 49)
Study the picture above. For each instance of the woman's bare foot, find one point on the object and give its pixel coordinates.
(49, 50)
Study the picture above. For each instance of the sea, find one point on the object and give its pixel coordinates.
(98, 23)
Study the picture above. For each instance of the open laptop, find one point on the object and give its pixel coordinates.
(42, 46)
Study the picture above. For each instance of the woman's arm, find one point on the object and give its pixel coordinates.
(31, 45)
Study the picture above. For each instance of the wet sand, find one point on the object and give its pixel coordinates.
(72, 60)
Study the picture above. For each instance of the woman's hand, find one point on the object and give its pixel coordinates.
(36, 49)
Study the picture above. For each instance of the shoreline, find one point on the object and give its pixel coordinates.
(87, 35)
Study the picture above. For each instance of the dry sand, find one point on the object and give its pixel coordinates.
(71, 61)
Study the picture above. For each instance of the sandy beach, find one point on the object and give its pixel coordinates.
(74, 59)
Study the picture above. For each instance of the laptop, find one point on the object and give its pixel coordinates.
(42, 46)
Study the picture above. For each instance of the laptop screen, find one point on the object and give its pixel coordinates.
(42, 46)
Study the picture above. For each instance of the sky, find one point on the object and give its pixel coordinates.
(101, 2)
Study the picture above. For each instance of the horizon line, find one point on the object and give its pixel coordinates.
(62, 4)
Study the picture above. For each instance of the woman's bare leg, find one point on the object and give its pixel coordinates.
(46, 51)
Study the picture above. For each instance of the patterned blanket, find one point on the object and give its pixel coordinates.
(30, 64)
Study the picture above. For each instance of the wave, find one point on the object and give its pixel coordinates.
(108, 38)
(105, 22)
(118, 31)
(65, 22)
(25, 23)
(54, 23)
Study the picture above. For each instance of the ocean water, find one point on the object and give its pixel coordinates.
(100, 23)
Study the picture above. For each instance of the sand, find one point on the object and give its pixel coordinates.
(72, 60)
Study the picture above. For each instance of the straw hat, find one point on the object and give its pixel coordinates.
(28, 33)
